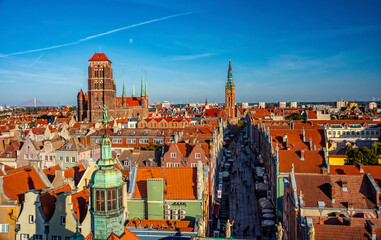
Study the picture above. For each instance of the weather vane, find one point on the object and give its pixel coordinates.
(105, 119)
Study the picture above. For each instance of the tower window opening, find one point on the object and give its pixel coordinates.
(99, 200)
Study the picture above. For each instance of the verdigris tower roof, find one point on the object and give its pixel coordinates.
(230, 82)
(107, 176)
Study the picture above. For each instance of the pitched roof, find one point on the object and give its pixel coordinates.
(80, 204)
(317, 188)
(374, 170)
(131, 101)
(99, 57)
(336, 228)
(312, 162)
(48, 200)
(15, 184)
(180, 182)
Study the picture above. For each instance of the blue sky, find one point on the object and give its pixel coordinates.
(281, 50)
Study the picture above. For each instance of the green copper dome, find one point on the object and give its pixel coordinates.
(106, 176)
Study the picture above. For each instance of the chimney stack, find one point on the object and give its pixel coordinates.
(324, 170)
(302, 155)
(333, 193)
(310, 141)
(304, 136)
(344, 185)
(361, 167)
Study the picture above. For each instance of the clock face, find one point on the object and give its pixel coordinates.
(229, 91)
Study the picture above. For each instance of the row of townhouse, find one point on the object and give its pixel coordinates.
(303, 146)
(44, 204)
(343, 203)
(67, 154)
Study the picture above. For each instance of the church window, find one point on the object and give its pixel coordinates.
(99, 200)
(151, 124)
(154, 125)
(120, 195)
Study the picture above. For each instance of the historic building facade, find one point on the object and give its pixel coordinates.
(102, 91)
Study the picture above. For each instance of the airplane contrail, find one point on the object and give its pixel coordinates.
(97, 35)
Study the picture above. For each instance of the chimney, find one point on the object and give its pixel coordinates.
(302, 155)
(321, 221)
(287, 144)
(324, 170)
(285, 138)
(304, 136)
(371, 227)
(361, 167)
(310, 141)
(344, 185)
(301, 202)
(333, 193)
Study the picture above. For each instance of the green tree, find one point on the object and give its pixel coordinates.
(32, 124)
(376, 148)
(364, 154)
(152, 147)
(240, 124)
(295, 116)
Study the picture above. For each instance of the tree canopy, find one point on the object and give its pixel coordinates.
(295, 116)
(364, 154)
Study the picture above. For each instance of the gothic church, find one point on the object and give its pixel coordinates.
(102, 90)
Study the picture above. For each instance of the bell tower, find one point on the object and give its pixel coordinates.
(230, 93)
(101, 87)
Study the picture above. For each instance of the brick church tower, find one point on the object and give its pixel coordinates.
(101, 86)
(230, 93)
(102, 90)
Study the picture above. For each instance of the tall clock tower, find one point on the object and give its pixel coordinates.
(230, 93)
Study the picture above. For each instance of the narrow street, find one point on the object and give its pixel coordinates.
(243, 204)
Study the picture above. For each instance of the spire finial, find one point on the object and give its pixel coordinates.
(124, 91)
(146, 87)
(142, 91)
(133, 89)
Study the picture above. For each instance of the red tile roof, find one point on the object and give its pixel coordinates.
(99, 57)
(80, 204)
(180, 182)
(317, 188)
(131, 101)
(48, 200)
(312, 162)
(374, 170)
(15, 184)
(335, 228)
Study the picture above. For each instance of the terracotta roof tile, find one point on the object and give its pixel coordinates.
(317, 188)
(181, 182)
(15, 184)
(99, 57)
(312, 162)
